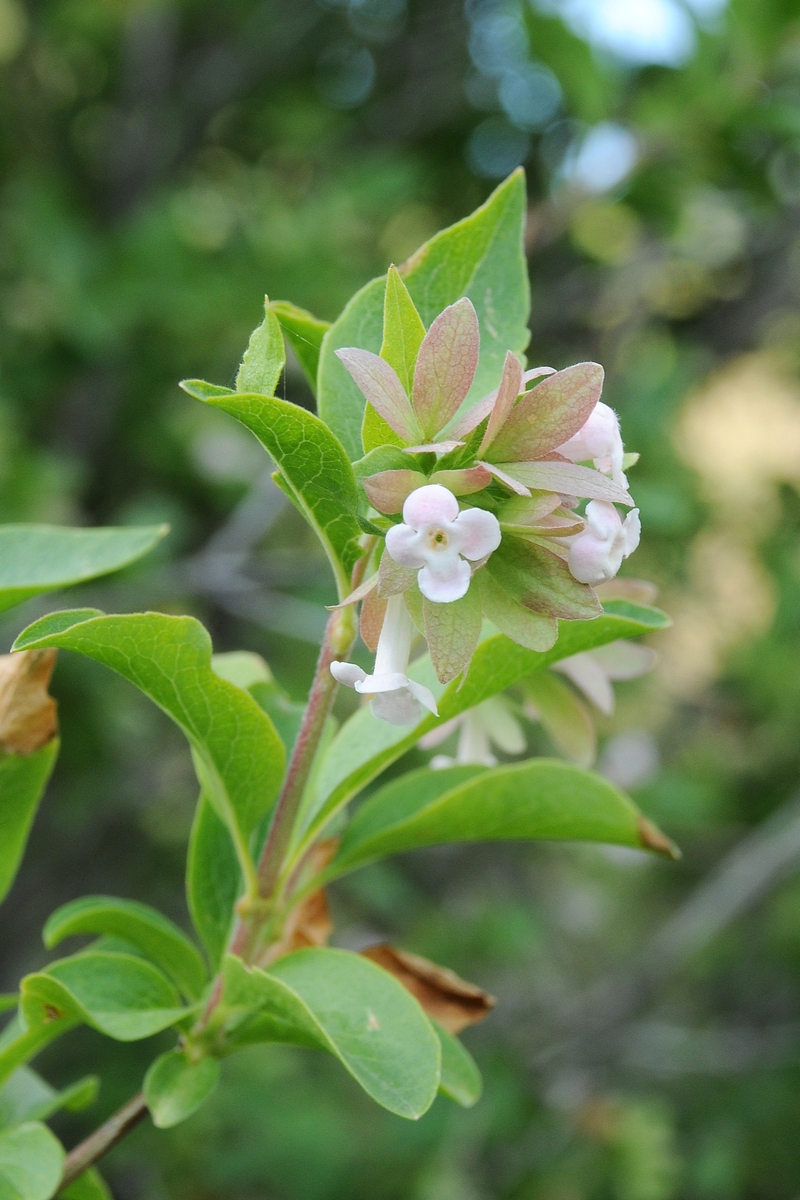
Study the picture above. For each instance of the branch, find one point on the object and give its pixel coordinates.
(87, 1153)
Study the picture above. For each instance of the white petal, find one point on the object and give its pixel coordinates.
(625, 660)
(429, 504)
(402, 544)
(347, 673)
(603, 519)
(440, 762)
(449, 580)
(501, 725)
(370, 685)
(477, 533)
(397, 707)
(632, 529)
(592, 560)
(424, 695)
(589, 676)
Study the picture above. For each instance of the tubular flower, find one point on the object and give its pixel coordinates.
(594, 671)
(490, 723)
(437, 540)
(596, 554)
(395, 698)
(601, 441)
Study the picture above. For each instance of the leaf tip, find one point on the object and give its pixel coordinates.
(652, 838)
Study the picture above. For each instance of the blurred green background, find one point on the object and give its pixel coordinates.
(166, 162)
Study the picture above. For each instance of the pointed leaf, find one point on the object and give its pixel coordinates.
(403, 330)
(452, 632)
(305, 333)
(23, 779)
(122, 996)
(481, 257)
(550, 414)
(540, 799)
(237, 752)
(26, 1097)
(566, 478)
(381, 387)
(174, 1087)
(565, 718)
(509, 389)
(342, 1003)
(31, 1161)
(530, 629)
(153, 934)
(541, 581)
(43, 558)
(463, 482)
(315, 466)
(461, 1079)
(446, 366)
(213, 880)
(264, 358)
(365, 746)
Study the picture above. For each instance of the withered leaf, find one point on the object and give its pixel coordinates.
(446, 997)
(27, 713)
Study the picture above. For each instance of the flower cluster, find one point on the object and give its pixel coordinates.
(481, 505)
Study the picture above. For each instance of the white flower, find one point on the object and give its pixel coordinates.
(491, 722)
(395, 698)
(599, 440)
(596, 553)
(437, 539)
(594, 671)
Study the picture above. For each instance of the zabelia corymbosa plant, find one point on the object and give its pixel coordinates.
(475, 512)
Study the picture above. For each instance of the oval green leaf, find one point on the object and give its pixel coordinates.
(31, 1162)
(174, 1088)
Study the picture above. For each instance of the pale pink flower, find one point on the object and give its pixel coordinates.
(595, 670)
(491, 723)
(395, 698)
(437, 540)
(599, 440)
(596, 553)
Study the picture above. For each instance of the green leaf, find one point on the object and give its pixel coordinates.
(23, 778)
(264, 358)
(213, 880)
(452, 632)
(305, 333)
(31, 1162)
(21, 1040)
(88, 1186)
(461, 1079)
(540, 799)
(316, 467)
(42, 558)
(174, 1088)
(541, 581)
(153, 934)
(237, 753)
(121, 995)
(530, 629)
(343, 1003)
(26, 1097)
(403, 332)
(565, 718)
(481, 257)
(365, 746)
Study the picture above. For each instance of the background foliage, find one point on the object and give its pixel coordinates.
(163, 165)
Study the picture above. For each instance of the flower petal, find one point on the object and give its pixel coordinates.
(588, 675)
(402, 544)
(424, 695)
(347, 673)
(397, 707)
(426, 506)
(372, 685)
(478, 532)
(446, 580)
(625, 660)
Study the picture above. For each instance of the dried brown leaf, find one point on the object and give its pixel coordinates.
(450, 1000)
(27, 713)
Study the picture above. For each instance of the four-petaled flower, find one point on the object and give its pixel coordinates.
(437, 540)
(395, 698)
(596, 553)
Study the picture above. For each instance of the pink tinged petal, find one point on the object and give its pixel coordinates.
(463, 482)
(505, 478)
(510, 387)
(550, 414)
(603, 520)
(566, 478)
(591, 679)
(476, 533)
(403, 545)
(347, 673)
(433, 448)
(446, 366)
(384, 391)
(388, 490)
(625, 660)
(592, 560)
(632, 531)
(597, 438)
(445, 579)
(427, 506)
(436, 736)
